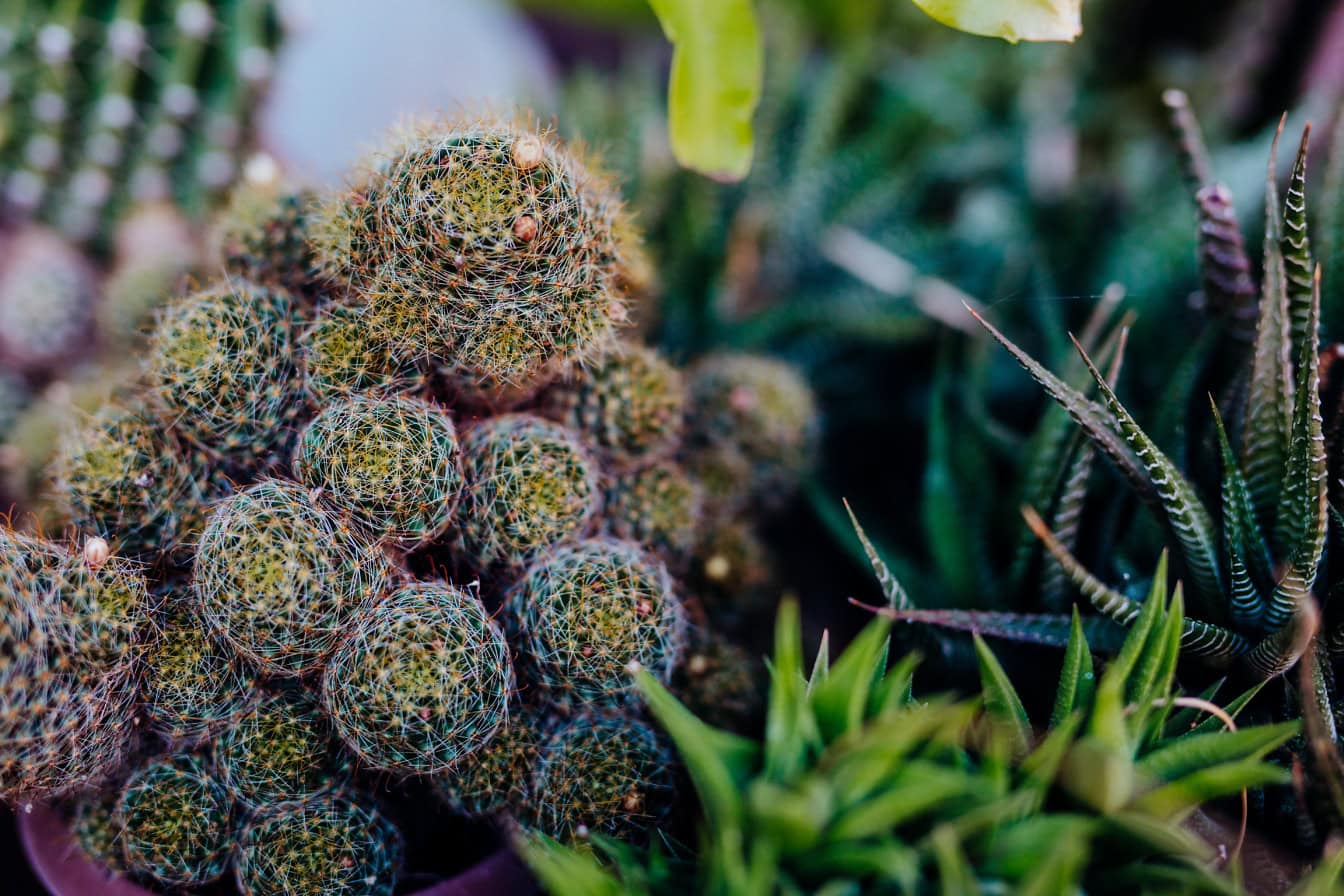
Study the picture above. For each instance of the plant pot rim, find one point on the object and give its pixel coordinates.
(64, 870)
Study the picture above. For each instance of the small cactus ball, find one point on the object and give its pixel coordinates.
(194, 687)
(175, 821)
(262, 235)
(97, 830)
(631, 404)
(761, 408)
(492, 781)
(660, 506)
(392, 463)
(278, 577)
(530, 484)
(423, 679)
(47, 293)
(492, 241)
(601, 773)
(222, 365)
(343, 353)
(332, 845)
(118, 475)
(278, 751)
(587, 611)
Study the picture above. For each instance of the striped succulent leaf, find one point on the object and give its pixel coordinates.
(1295, 244)
(1249, 562)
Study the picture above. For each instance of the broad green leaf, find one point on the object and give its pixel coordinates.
(956, 877)
(1012, 20)
(1077, 680)
(1001, 699)
(790, 729)
(1176, 800)
(917, 789)
(1183, 755)
(567, 871)
(1062, 866)
(717, 63)
(840, 701)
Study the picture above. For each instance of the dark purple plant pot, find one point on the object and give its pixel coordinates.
(65, 871)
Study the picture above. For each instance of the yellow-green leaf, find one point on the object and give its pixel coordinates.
(717, 63)
(1012, 20)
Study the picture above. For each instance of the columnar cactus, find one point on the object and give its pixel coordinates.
(423, 679)
(109, 108)
(589, 611)
(530, 484)
(222, 367)
(601, 773)
(391, 463)
(494, 243)
(194, 687)
(659, 506)
(279, 751)
(279, 578)
(631, 404)
(332, 845)
(175, 821)
(47, 292)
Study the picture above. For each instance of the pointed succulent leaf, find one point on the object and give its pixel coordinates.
(1077, 680)
(564, 870)
(1194, 154)
(1248, 551)
(840, 701)
(1224, 269)
(1325, 880)
(895, 689)
(1280, 651)
(1176, 800)
(1185, 515)
(1295, 243)
(1269, 398)
(1066, 518)
(790, 728)
(1045, 629)
(1233, 709)
(1181, 756)
(891, 588)
(1319, 728)
(1001, 699)
(1302, 518)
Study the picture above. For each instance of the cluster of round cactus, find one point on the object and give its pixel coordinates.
(321, 558)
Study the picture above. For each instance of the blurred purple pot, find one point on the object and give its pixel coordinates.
(65, 871)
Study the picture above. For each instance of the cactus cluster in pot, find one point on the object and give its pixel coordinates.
(393, 500)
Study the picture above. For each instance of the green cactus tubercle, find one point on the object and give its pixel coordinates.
(279, 751)
(343, 353)
(492, 781)
(194, 687)
(423, 679)
(587, 612)
(658, 506)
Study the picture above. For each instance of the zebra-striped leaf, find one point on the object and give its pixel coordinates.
(891, 588)
(1295, 243)
(1248, 553)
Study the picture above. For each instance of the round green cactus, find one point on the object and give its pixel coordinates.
(47, 293)
(760, 407)
(587, 612)
(175, 821)
(278, 751)
(601, 773)
(279, 578)
(719, 682)
(193, 687)
(104, 603)
(392, 463)
(492, 781)
(423, 679)
(530, 484)
(344, 352)
(659, 506)
(494, 241)
(631, 404)
(120, 476)
(97, 830)
(334, 845)
(262, 236)
(221, 364)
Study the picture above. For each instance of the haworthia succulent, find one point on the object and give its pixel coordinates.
(1248, 555)
(1295, 244)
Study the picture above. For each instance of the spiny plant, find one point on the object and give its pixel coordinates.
(630, 404)
(222, 367)
(279, 577)
(332, 845)
(858, 785)
(47, 292)
(586, 611)
(422, 679)
(174, 821)
(391, 463)
(262, 236)
(95, 827)
(759, 410)
(194, 687)
(344, 354)
(600, 773)
(277, 752)
(110, 106)
(719, 681)
(529, 484)
(492, 781)
(527, 230)
(659, 506)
